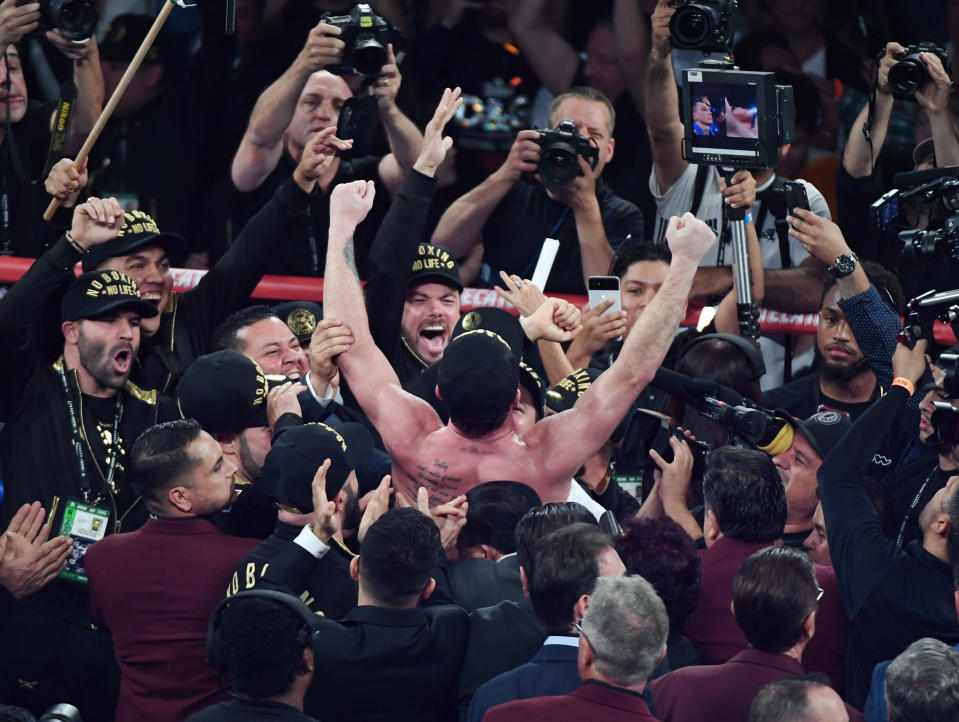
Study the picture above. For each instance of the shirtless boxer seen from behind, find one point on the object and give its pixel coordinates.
(479, 380)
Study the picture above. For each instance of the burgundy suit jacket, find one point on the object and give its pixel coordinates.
(722, 692)
(714, 629)
(154, 588)
(590, 701)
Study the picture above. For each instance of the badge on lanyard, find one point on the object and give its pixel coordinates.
(86, 524)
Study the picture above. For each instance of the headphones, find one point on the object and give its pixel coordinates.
(306, 636)
(752, 353)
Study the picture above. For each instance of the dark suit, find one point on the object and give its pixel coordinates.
(388, 664)
(478, 583)
(591, 701)
(724, 692)
(501, 638)
(713, 628)
(155, 588)
(553, 670)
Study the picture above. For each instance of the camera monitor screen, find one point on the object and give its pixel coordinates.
(730, 118)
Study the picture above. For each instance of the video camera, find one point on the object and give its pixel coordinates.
(366, 36)
(749, 116)
(704, 25)
(923, 310)
(910, 74)
(558, 161)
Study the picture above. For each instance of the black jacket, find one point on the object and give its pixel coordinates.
(892, 596)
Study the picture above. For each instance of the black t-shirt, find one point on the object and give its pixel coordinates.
(24, 232)
(241, 710)
(515, 231)
(304, 253)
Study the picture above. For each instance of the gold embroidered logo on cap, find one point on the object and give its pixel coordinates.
(302, 322)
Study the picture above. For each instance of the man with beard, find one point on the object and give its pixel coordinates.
(288, 477)
(68, 426)
(844, 382)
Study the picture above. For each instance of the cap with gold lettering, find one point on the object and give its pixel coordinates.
(138, 230)
(437, 264)
(99, 293)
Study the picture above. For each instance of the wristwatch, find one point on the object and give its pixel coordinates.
(844, 265)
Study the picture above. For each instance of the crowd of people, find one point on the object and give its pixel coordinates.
(396, 506)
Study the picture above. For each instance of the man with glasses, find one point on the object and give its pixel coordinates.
(775, 600)
(622, 638)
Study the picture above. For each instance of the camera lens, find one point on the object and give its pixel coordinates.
(558, 166)
(369, 56)
(907, 76)
(691, 26)
(74, 18)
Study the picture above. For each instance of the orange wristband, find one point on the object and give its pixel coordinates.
(905, 383)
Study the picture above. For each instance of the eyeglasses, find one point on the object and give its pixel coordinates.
(819, 592)
(579, 628)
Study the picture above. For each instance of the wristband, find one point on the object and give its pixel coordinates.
(76, 246)
(749, 217)
(905, 383)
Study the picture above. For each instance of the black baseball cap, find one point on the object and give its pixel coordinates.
(288, 471)
(498, 320)
(301, 317)
(98, 293)
(434, 263)
(822, 430)
(478, 375)
(568, 389)
(138, 230)
(226, 391)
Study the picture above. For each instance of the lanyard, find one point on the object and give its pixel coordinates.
(912, 507)
(78, 440)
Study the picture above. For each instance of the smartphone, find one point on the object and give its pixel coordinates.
(885, 211)
(603, 288)
(795, 194)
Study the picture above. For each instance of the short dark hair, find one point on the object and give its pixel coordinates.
(744, 490)
(785, 700)
(660, 551)
(582, 93)
(259, 638)
(10, 713)
(541, 520)
(159, 457)
(885, 281)
(227, 334)
(565, 567)
(478, 428)
(398, 556)
(774, 591)
(494, 510)
(636, 252)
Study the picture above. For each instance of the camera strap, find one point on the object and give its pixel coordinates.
(779, 212)
(699, 187)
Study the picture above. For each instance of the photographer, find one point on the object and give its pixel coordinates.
(24, 232)
(792, 280)
(512, 217)
(295, 114)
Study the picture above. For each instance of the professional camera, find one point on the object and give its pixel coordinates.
(938, 245)
(61, 713)
(909, 74)
(704, 25)
(75, 19)
(366, 36)
(558, 164)
(750, 116)
(660, 444)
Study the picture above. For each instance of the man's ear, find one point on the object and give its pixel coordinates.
(942, 524)
(71, 331)
(428, 589)
(339, 501)
(355, 569)
(516, 398)
(612, 147)
(711, 530)
(306, 664)
(525, 583)
(580, 606)
(181, 498)
(809, 626)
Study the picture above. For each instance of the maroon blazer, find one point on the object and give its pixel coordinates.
(714, 629)
(722, 692)
(592, 700)
(155, 588)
